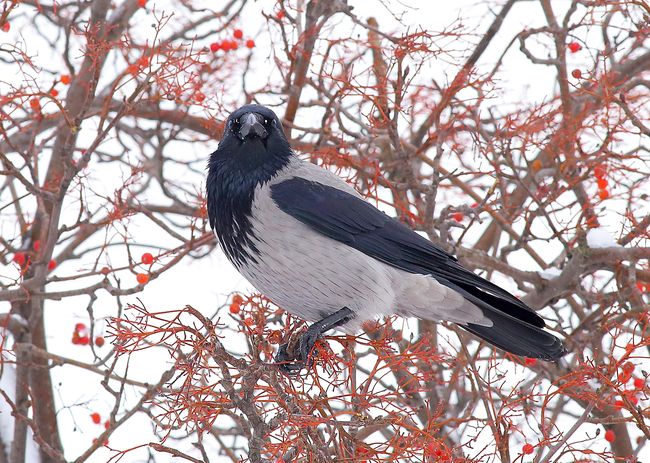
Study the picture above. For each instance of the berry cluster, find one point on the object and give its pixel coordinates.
(97, 419)
(24, 258)
(575, 47)
(80, 336)
(235, 305)
(230, 45)
(601, 181)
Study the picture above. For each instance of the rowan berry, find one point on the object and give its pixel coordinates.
(574, 47)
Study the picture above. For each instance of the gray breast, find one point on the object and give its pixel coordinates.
(309, 274)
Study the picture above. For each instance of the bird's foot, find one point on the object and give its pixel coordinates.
(294, 358)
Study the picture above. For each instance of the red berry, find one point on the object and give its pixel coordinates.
(80, 327)
(107, 424)
(99, 341)
(96, 418)
(199, 97)
(142, 3)
(232, 45)
(575, 47)
(603, 194)
(51, 265)
(215, 46)
(639, 383)
(250, 43)
(84, 340)
(529, 361)
(249, 321)
(628, 367)
(234, 308)
(36, 245)
(147, 258)
(527, 449)
(105, 271)
(619, 404)
(602, 183)
(142, 278)
(54, 92)
(238, 34)
(20, 258)
(599, 172)
(280, 14)
(610, 436)
(75, 338)
(35, 104)
(458, 216)
(237, 299)
(6, 26)
(65, 79)
(576, 73)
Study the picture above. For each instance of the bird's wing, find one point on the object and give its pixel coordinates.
(348, 219)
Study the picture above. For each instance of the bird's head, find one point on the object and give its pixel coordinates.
(253, 136)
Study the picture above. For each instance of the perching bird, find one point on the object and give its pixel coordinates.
(308, 241)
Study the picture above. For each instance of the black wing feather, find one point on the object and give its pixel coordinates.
(346, 218)
(350, 220)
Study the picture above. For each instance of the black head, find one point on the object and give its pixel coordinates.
(253, 135)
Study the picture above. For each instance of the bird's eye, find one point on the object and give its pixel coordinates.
(266, 121)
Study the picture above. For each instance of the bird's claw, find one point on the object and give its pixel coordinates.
(291, 362)
(302, 355)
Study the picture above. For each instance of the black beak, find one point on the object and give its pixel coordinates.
(252, 125)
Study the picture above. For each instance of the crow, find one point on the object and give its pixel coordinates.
(309, 242)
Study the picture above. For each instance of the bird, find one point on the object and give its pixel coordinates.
(308, 241)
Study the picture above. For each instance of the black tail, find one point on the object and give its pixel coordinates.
(516, 328)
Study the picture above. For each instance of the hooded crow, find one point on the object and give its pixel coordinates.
(309, 242)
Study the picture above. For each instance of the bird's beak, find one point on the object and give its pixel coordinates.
(252, 125)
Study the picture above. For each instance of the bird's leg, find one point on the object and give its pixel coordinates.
(309, 338)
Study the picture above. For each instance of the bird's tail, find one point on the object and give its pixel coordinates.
(515, 328)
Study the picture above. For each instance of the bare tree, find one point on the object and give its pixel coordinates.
(98, 100)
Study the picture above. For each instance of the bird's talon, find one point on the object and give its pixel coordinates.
(302, 356)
